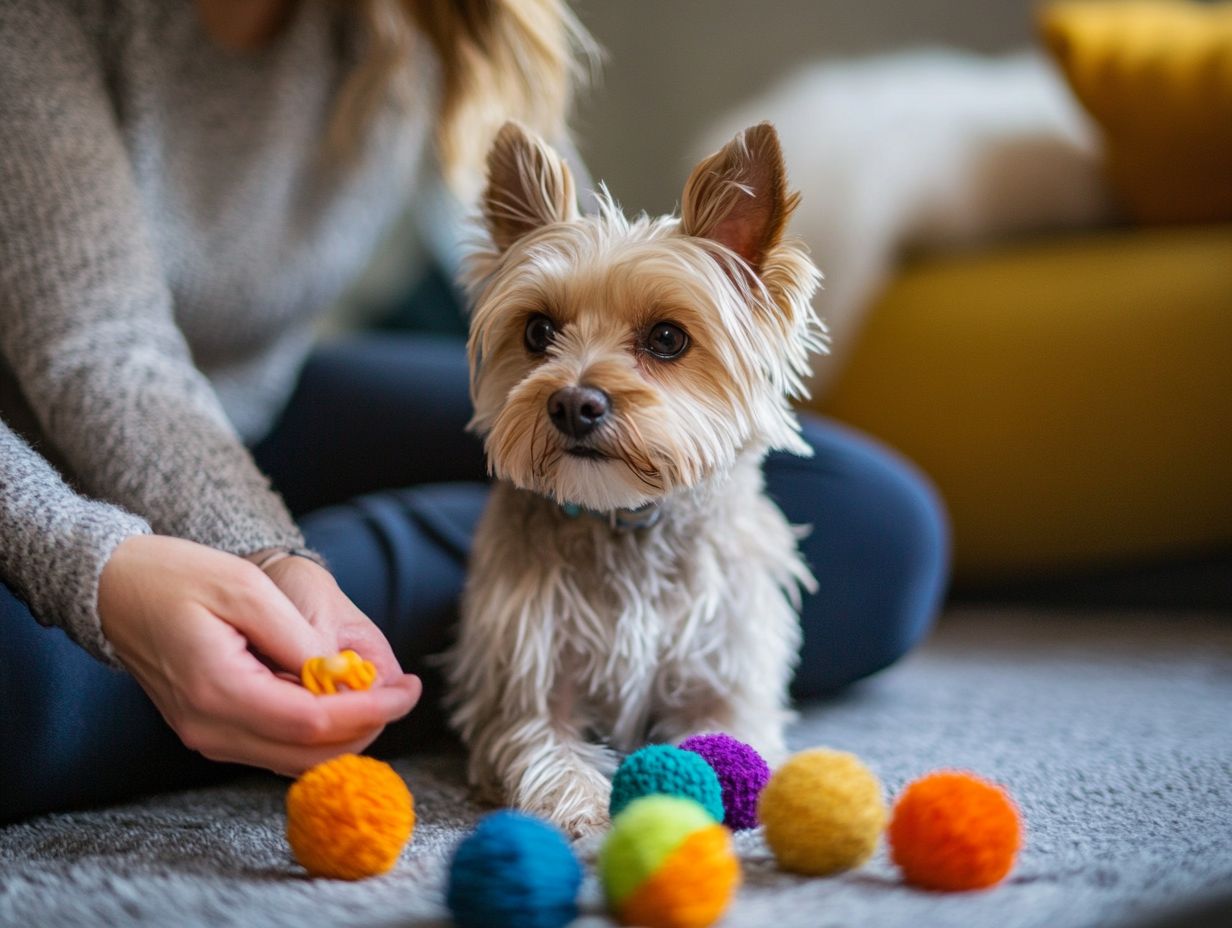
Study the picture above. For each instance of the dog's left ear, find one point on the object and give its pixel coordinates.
(529, 186)
(738, 196)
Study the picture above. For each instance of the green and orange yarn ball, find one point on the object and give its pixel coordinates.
(349, 817)
(667, 863)
(823, 811)
(954, 831)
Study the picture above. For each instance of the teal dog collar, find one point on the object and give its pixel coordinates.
(620, 520)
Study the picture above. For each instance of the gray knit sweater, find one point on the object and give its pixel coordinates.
(169, 228)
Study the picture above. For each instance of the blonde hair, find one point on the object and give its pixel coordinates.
(499, 60)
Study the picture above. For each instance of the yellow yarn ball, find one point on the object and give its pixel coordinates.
(823, 811)
(349, 817)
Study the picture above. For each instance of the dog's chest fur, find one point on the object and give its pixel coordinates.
(636, 623)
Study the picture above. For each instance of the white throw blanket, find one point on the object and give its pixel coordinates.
(922, 149)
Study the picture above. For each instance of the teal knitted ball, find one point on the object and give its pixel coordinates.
(667, 770)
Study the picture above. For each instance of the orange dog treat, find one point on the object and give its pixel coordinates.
(954, 831)
(322, 675)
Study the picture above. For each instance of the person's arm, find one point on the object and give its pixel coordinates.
(86, 316)
(54, 543)
(87, 326)
(185, 619)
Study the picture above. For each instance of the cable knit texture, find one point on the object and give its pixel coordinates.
(170, 224)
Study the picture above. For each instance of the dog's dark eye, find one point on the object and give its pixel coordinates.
(540, 332)
(666, 341)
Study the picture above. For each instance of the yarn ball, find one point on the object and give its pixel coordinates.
(823, 812)
(667, 863)
(662, 768)
(741, 771)
(515, 871)
(322, 676)
(349, 817)
(952, 830)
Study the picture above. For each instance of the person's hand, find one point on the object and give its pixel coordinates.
(182, 618)
(315, 593)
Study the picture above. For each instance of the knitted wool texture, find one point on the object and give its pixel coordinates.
(662, 768)
(170, 235)
(515, 871)
(667, 864)
(741, 771)
(823, 812)
(954, 831)
(349, 817)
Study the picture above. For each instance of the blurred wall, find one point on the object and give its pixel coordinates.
(673, 65)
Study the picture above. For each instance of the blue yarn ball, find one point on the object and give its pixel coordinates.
(664, 769)
(515, 871)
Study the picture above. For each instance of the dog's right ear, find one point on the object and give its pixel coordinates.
(738, 196)
(529, 186)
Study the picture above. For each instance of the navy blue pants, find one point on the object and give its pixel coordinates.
(374, 413)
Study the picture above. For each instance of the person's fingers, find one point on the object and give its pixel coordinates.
(270, 707)
(253, 604)
(231, 685)
(330, 608)
(242, 747)
(362, 636)
(337, 620)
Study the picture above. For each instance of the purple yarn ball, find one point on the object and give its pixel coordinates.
(741, 771)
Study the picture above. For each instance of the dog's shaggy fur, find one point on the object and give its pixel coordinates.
(632, 582)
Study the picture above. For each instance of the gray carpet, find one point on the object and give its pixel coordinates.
(1114, 732)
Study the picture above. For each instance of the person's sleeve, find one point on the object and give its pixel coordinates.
(54, 543)
(86, 317)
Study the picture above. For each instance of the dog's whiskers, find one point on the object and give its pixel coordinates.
(637, 461)
(543, 460)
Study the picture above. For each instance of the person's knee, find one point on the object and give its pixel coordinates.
(879, 548)
(913, 563)
(401, 556)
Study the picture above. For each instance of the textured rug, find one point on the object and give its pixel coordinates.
(1113, 731)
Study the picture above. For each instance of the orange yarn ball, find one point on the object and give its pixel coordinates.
(691, 888)
(349, 817)
(321, 676)
(952, 830)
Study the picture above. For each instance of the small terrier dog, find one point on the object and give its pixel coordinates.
(630, 580)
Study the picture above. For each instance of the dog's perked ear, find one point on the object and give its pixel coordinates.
(738, 196)
(529, 186)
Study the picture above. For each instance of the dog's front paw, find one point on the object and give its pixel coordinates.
(581, 820)
(576, 801)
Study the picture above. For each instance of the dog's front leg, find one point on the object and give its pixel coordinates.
(517, 712)
(740, 688)
(533, 755)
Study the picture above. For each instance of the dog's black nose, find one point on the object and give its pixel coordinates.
(577, 411)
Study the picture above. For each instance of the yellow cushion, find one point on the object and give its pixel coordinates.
(1157, 77)
(1072, 399)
